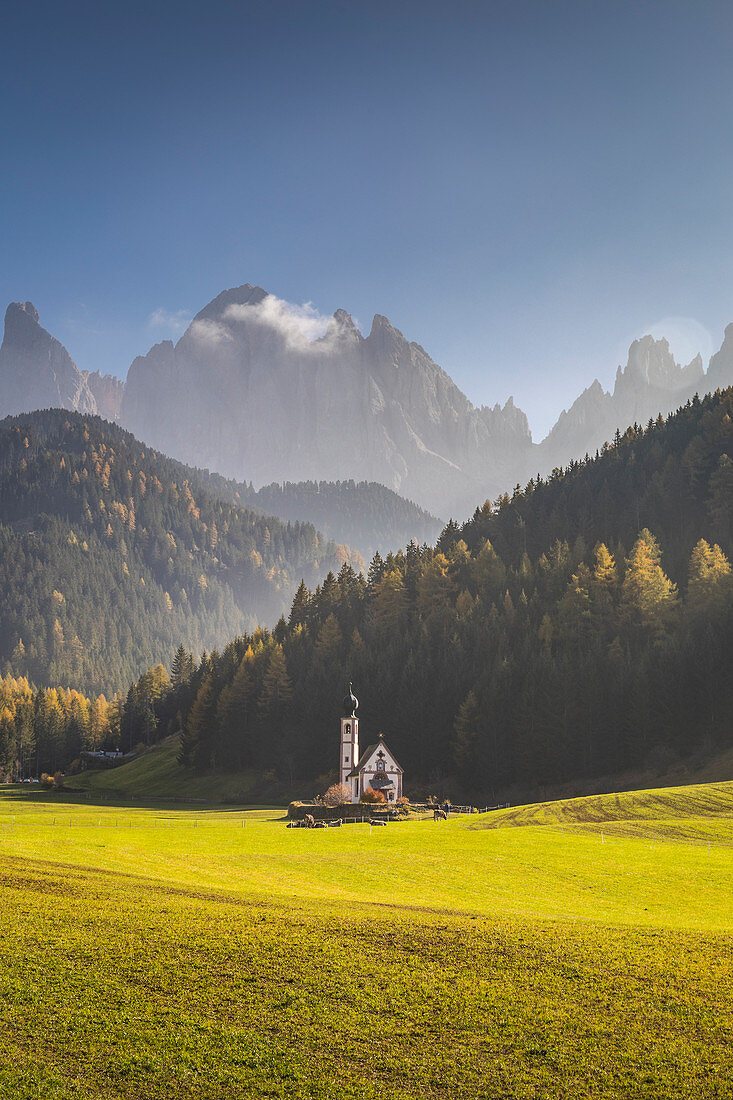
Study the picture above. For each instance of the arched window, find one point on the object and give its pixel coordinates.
(347, 728)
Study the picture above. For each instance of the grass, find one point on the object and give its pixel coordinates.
(158, 775)
(166, 952)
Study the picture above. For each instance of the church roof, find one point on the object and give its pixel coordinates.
(368, 751)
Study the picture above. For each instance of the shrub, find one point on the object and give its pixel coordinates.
(403, 806)
(337, 795)
(46, 781)
(373, 797)
(58, 781)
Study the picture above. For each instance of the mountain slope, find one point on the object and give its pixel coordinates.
(581, 631)
(364, 515)
(110, 554)
(335, 408)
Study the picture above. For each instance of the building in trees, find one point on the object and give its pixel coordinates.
(376, 767)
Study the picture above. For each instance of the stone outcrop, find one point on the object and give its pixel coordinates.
(107, 391)
(36, 371)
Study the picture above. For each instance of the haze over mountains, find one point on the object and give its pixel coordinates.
(252, 391)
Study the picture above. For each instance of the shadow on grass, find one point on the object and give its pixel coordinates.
(21, 794)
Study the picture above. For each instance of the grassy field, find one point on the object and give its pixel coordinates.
(575, 949)
(157, 774)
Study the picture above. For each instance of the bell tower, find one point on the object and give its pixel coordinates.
(349, 744)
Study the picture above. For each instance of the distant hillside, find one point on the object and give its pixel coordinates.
(364, 515)
(110, 554)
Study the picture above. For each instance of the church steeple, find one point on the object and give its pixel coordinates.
(349, 743)
(350, 703)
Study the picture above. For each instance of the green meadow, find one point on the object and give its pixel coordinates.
(572, 949)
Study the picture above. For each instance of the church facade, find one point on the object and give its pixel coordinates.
(376, 767)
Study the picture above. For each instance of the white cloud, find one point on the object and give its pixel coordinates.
(172, 322)
(210, 333)
(298, 325)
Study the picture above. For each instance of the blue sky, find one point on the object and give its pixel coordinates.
(522, 188)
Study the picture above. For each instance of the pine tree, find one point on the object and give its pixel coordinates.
(709, 588)
(329, 643)
(467, 732)
(648, 596)
(197, 745)
(276, 686)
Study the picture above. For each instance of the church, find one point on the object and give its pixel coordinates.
(376, 767)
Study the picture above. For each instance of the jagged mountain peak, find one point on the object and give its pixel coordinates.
(20, 314)
(36, 371)
(342, 328)
(245, 295)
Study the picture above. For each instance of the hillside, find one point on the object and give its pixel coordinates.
(582, 629)
(110, 554)
(699, 812)
(158, 775)
(364, 515)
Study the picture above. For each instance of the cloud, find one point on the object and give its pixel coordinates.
(299, 326)
(210, 333)
(172, 322)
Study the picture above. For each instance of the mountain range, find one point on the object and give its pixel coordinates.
(246, 392)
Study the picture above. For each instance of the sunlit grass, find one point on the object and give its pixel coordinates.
(162, 951)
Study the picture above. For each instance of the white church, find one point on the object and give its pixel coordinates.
(376, 767)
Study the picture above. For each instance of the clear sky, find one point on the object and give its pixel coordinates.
(522, 188)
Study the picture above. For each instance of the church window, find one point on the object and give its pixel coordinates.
(380, 765)
(347, 728)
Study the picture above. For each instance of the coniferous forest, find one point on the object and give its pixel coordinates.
(579, 627)
(110, 554)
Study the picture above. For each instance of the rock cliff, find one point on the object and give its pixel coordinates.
(246, 392)
(36, 371)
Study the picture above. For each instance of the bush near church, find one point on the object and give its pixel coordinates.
(337, 795)
(372, 797)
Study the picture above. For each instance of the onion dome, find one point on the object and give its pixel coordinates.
(350, 704)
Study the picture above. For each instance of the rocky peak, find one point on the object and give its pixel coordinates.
(341, 327)
(386, 342)
(107, 391)
(20, 317)
(36, 371)
(246, 295)
(720, 369)
(652, 363)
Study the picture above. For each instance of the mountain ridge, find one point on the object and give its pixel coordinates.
(337, 405)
